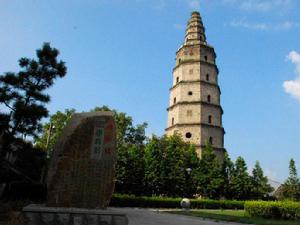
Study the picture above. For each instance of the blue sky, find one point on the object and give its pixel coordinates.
(121, 53)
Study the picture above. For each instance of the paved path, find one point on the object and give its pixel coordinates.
(153, 217)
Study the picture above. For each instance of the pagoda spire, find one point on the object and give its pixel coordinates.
(195, 32)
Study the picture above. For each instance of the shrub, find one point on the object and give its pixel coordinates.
(275, 210)
(145, 202)
(216, 204)
(162, 202)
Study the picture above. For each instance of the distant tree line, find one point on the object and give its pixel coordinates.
(168, 166)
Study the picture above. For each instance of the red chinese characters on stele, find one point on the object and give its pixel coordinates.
(108, 137)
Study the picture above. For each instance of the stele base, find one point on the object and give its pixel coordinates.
(42, 215)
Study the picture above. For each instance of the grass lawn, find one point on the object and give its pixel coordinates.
(234, 216)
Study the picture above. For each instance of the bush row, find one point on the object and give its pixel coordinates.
(275, 210)
(216, 204)
(162, 202)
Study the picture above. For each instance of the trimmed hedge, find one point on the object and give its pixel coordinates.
(275, 210)
(216, 204)
(144, 202)
(161, 202)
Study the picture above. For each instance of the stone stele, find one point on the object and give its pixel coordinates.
(82, 169)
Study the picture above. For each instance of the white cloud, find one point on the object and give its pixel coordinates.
(260, 5)
(292, 87)
(294, 57)
(245, 24)
(287, 25)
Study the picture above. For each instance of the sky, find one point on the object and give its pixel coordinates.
(121, 53)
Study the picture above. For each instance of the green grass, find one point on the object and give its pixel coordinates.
(238, 216)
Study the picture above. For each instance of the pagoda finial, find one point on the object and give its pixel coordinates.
(195, 32)
(195, 12)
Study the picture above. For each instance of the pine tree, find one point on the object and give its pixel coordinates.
(259, 183)
(209, 174)
(227, 171)
(240, 180)
(293, 178)
(23, 98)
(291, 187)
(23, 94)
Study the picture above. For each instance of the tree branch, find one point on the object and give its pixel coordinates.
(27, 100)
(8, 106)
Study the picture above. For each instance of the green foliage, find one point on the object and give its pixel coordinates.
(227, 171)
(130, 170)
(52, 130)
(275, 210)
(22, 172)
(170, 164)
(153, 165)
(216, 204)
(23, 98)
(291, 188)
(293, 172)
(23, 94)
(163, 202)
(210, 179)
(28, 161)
(240, 182)
(145, 202)
(259, 183)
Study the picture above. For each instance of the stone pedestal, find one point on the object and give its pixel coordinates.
(41, 215)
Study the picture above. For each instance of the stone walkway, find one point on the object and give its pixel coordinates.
(153, 217)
